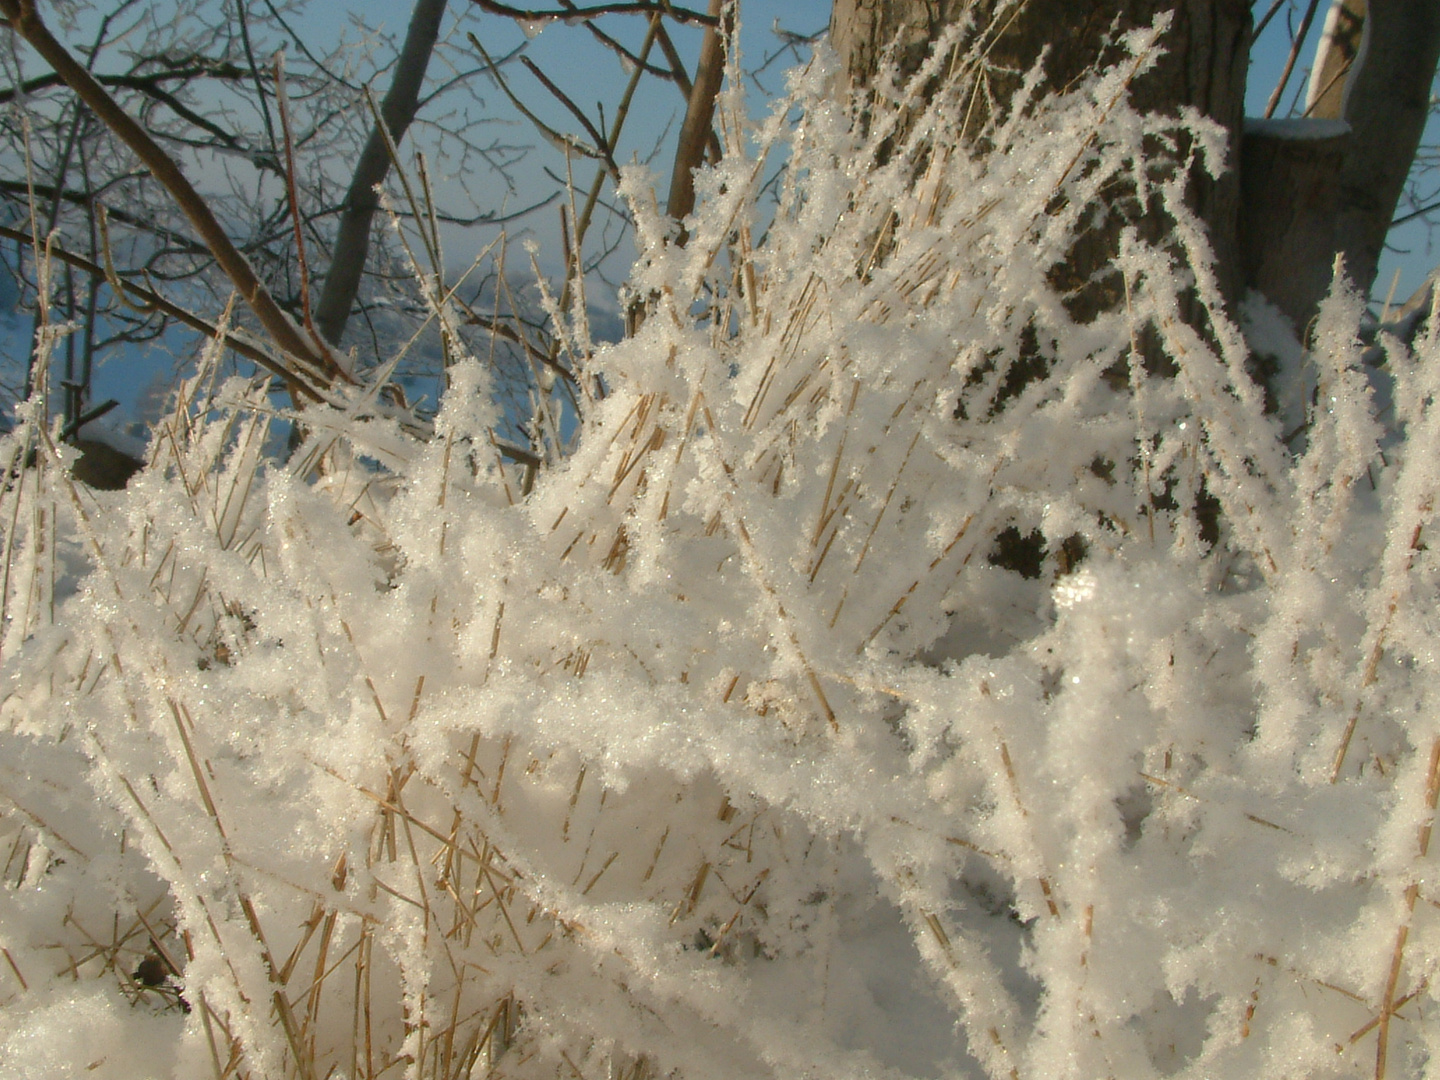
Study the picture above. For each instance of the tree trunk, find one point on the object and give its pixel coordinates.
(352, 239)
(861, 30)
(1312, 192)
(1336, 54)
(1387, 104)
(1207, 53)
(1290, 192)
(1305, 203)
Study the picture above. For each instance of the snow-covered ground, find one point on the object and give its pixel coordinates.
(737, 747)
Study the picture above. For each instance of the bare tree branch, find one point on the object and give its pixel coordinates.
(627, 56)
(1295, 48)
(1403, 218)
(648, 7)
(150, 299)
(89, 201)
(25, 20)
(1265, 19)
(695, 131)
(563, 143)
(146, 84)
(599, 140)
(352, 240)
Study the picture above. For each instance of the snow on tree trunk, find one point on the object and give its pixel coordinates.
(1290, 188)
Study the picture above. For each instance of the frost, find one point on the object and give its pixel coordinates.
(869, 687)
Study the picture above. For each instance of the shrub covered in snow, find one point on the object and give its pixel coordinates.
(738, 746)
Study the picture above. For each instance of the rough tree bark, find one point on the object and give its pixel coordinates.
(1204, 66)
(1305, 201)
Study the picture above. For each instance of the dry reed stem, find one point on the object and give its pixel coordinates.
(1389, 1003)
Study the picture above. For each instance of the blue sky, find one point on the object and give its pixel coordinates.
(591, 74)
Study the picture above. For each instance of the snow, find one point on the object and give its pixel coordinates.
(86, 1031)
(736, 748)
(1296, 127)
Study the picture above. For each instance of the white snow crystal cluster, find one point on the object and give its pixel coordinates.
(896, 677)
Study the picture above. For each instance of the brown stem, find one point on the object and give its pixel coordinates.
(582, 223)
(292, 191)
